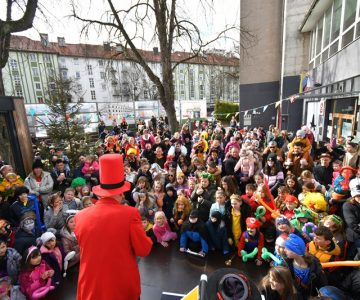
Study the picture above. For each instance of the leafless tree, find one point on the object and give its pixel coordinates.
(10, 26)
(169, 28)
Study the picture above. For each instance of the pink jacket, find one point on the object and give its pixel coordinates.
(30, 280)
(164, 233)
(143, 140)
(86, 168)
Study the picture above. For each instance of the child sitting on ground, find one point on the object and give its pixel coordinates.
(162, 229)
(53, 255)
(217, 233)
(35, 275)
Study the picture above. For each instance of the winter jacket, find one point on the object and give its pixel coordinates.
(17, 209)
(351, 214)
(13, 261)
(45, 187)
(86, 168)
(61, 185)
(70, 243)
(164, 233)
(218, 236)
(23, 240)
(30, 280)
(52, 259)
(325, 255)
(51, 221)
(203, 207)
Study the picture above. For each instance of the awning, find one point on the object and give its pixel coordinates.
(316, 11)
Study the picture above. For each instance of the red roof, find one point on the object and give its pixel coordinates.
(22, 43)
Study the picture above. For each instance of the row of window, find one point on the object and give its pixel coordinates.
(338, 27)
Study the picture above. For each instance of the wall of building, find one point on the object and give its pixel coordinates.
(261, 62)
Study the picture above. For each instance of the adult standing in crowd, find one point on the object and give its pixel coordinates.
(131, 240)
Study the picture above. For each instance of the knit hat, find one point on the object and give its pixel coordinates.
(295, 244)
(47, 236)
(78, 181)
(291, 199)
(332, 292)
(272, 144)
(282, 220)
(37, 164)
(252, 223)
(300, 133)
(281, 239)
(194, 214)
(20, 190)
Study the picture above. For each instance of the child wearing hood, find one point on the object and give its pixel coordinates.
(69, 241)
(53, 255)
(217, 233)
(194, 235)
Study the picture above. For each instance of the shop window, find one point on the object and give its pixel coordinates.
(344, 106)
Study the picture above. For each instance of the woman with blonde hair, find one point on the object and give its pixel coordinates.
(278, 284)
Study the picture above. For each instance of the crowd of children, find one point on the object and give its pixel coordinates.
(273, 200)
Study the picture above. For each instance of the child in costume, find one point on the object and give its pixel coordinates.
(112, 145)
(9, 183)
(300, 137)
(194, 235)
(302, 216)
(250, 239)
(36, 274)
(341, 183)
(291, 202)
(162, 229)
(181, 213)
(279, 249)
(217, 233)
(313, 200)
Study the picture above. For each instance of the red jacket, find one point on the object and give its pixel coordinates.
(110, 236)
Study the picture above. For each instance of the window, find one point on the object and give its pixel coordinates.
(146, 94)
(40, 99)
(62, 60)
(52, 86)
(91, 81)
(64, 74)
(201, 91)
(350, 12)
(32, 56)
(335, 30)
(93, 95)
(51, 72)
(102, 75)
(17, 82)
(47, 57)
(35, 72)
(76, 61)
(89, 68)
(38, 86)
(191, 84)
(77, 75)
(319, 37)
(103, 86)
(327, 27)
(13, 64)
(19, 93)
(101, 62)
(79, 87)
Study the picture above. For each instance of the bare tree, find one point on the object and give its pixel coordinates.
(10, 26)
(168, 28)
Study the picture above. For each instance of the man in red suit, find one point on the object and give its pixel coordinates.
(110, 236)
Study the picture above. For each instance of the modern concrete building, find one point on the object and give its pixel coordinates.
(102, 74)
(318, 39)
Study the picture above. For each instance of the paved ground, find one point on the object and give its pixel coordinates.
(166, 269)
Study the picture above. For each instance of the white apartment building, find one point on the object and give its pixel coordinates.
(103, 75)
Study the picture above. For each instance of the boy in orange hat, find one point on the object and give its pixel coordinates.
(252, 238)
(291, 202)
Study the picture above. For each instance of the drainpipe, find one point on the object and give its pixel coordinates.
(282, 61)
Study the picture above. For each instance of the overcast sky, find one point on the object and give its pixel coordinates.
(215, 19)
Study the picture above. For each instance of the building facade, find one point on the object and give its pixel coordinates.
(103, 75)
(313, 39)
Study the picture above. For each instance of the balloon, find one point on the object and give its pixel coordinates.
(266, 255)
(42, 291)
(68, 257)
(260, 212)
(344, 263)
(311, 230)
(274, 213)
(246, 256)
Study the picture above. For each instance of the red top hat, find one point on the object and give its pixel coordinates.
(112, 181)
